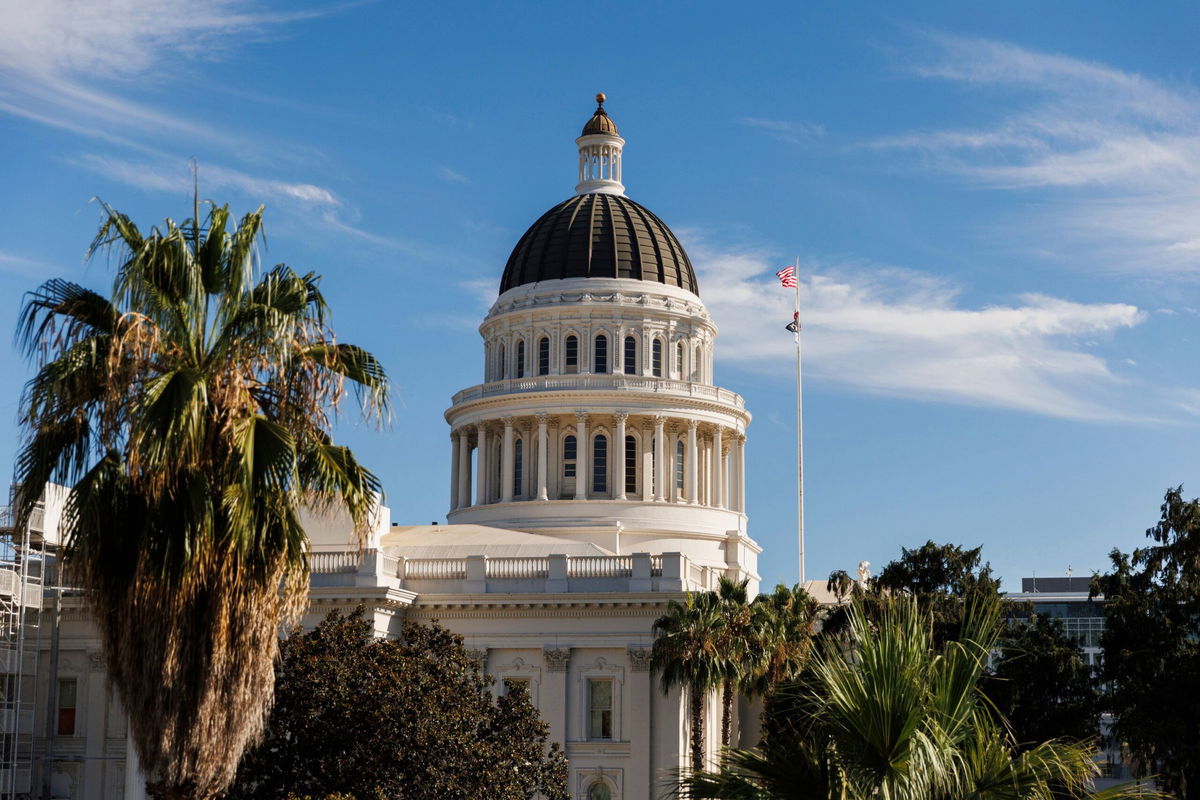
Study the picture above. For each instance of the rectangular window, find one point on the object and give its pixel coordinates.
(521, 359)
(656, 358)
(631, 484)
(66, 706)
(679, 467)
(569, 457)
(600, 464)
(600, 709)
(600, 362)
(518, 466)
(543, 356)
(630, 355)
(571, 355)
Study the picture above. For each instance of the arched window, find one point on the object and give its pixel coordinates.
(599, 791)
(571, 354)
(630, 355)
(520, 358)
(600, 354)
(569, 457)
(600, 464)
(518, 466)
(679, 467)
(679, 358)
(656, 358)
(696, 376)
(631, 459)
(502, 371)
(543, 356)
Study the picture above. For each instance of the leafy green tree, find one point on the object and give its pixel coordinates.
(1151, 646)
(412, 717)
(190, 414)
(1042, 684)
(688, 653)
(896, 716)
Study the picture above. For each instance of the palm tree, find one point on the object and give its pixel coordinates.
(687, 652)
(190, 413)
(781, 625)
(735, 627)
(893, 717)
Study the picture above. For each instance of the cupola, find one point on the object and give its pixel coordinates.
(600, 154)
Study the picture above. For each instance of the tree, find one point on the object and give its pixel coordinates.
(736, 625)
(1043, 685)
(687, 653)
(412, 717)
(1151, 646)
(782, 624)
(190, 413)
(897, 716)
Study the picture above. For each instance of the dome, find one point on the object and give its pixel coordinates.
(600, 121)
(599, 235)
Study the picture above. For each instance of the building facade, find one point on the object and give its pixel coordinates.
(596, 474)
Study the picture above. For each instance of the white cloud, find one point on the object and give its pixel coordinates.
(175, 176)
(1120, 150)
(52, 55)
(451, 176)
(785, 130)
(905, 333)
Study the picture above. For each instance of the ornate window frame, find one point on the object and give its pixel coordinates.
(600, 669)
(519, 668)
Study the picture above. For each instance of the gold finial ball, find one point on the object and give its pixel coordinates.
(600, 98)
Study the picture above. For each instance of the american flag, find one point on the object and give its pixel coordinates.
(787, 276)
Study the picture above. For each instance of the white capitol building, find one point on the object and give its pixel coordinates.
(596, 474)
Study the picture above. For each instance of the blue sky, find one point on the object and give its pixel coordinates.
(995, 207)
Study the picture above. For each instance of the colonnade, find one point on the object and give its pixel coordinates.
(598, 456)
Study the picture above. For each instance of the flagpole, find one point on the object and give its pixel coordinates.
(799, 431)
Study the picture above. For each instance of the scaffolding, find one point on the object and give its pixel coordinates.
(22, 570)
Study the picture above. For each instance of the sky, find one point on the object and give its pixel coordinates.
(995, 207)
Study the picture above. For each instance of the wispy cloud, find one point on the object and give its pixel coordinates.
(53, 55)
(169, 175)
(1115, 155)
(452, 176)
(785, 130)
(905, 333)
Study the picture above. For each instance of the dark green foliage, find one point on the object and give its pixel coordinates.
(1152, 647)
(411, 718)
(943, 579)
(1043, 685)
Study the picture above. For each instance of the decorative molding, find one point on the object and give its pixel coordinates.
(556, 658)
(542, 417)
(639, 658)
(693, 424)
(95, 660)
(621, 416)
(507, 421)
(581, 417)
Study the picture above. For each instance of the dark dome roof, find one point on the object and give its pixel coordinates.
(599, 236)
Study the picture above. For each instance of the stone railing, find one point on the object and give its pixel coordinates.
(586, 382)
(552, 574)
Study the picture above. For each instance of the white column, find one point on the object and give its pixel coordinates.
(617, 456)
(464, 468)
(481, 465)
(692, 459)
(542, 443)
(741, 472)
(718, 481)
(660, 461)
(582, 455)
(453, 470)
(646, 463)
(506, 462)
